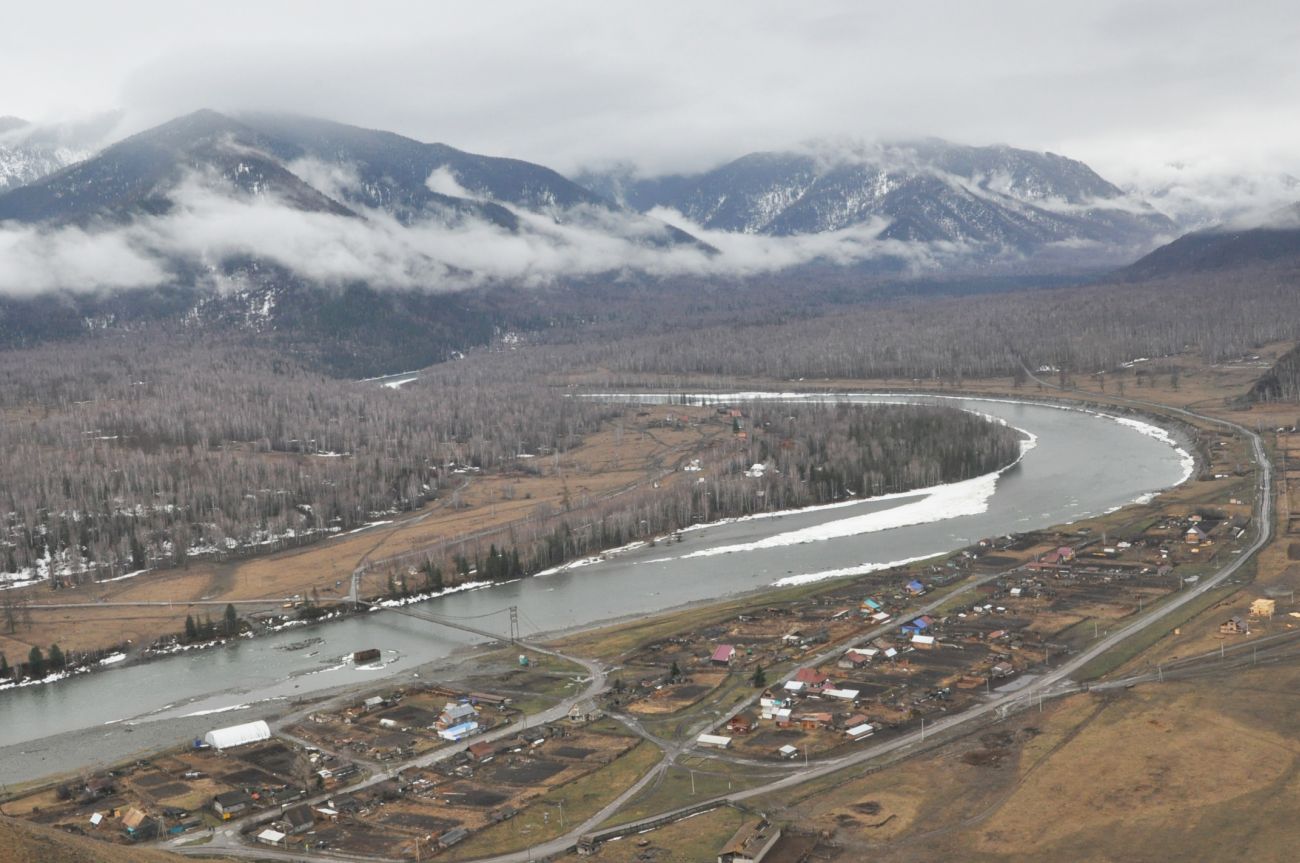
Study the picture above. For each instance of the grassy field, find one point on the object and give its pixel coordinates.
(1201, 770)
(21, 842)
(578, 800)
(689, 841)
(691, 779)
(614, 459)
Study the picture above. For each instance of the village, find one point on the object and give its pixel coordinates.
(457, 770)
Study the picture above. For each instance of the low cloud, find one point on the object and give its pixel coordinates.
(208, 224)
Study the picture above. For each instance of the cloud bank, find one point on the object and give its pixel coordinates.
(210, 224)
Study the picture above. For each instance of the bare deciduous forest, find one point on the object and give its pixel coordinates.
(148, 451)
(1080, 329)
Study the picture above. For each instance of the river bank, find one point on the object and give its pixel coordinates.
(1081, 465)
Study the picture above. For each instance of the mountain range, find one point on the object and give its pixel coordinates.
(995, 201)
(371, 250)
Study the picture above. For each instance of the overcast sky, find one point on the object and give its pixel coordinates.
(1126, 86)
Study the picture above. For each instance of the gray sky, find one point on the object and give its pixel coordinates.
(1125, 86)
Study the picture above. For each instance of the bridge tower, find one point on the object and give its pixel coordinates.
(514, 624)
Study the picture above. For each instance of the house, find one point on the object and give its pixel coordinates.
(788, 751)
(584, 711)
(455, 713)
(715, 741)
(856, 657)
(133, 820)
(741, 723)
(484, 750)
(751, 843)
(811, 678)
(231, 803)
(813, 721)
(299, 819)
(1196, 536)
(1263, 608)
(921, 624)
(1002, 669)
(914, 587)
(923, 642)
(458, 732)
(781, 716)
(841, 694)
(723, 654)
(345, 803)
(1235, 626)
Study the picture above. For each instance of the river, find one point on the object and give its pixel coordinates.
(1079, 464)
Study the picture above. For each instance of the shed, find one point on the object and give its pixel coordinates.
(858, 732)
(788, 751)
(716, 741)
(914, 587)
(751, 843)
(452, 836)
(842, 694)
(271, 837)
(923, 642)
(238, 735)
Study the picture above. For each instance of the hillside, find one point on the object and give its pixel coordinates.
(22, 842)
(997, 200)
(1218, 250)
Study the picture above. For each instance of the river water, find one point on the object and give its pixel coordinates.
(1079, 464)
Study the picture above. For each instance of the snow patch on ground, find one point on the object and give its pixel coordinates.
(861, 569)
(433, 594)
(219, 710)
(968, 497)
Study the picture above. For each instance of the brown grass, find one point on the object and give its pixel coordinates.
(603, 464)
(30, 843)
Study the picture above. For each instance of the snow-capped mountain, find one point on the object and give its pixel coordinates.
(995, 200)
(29, 152)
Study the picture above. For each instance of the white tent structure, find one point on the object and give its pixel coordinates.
(238, 735)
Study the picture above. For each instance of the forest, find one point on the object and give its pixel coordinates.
(155, 452)
(142, 448)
